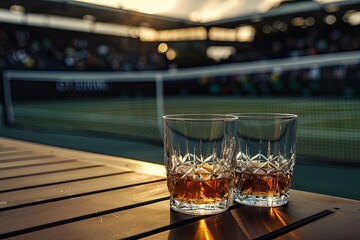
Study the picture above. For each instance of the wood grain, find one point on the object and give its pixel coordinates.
(80, 207)
(15, 153)
(116, 162)
(244, 222)
(53, 178)
(33, 162)
(43, 197)
(116, 225)
(7, 149)
(31, 156)
(43, 169)
(247, 222)
(71, 189)
(340, 225)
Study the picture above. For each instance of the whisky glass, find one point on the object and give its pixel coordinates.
(199, 161)
(265, 156)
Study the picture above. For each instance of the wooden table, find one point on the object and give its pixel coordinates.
(53, 193)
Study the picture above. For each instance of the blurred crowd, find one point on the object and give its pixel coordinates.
(36, 48)
(299, 42)
(39, 48)
(341, 80)
(24, 47)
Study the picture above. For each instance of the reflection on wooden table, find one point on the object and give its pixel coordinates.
(54, 193)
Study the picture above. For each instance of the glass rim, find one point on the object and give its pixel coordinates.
(200, 117)
(265, 115)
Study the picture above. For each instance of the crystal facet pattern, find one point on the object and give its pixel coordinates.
(200, 163)
(266, 150)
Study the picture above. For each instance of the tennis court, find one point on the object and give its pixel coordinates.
(328, 128)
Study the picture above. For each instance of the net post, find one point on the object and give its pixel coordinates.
(7, 104)
(159, 101)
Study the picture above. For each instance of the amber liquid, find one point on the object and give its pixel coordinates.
(262, 185)
(198, 191)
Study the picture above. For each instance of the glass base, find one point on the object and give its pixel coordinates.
(199, 209)
(261, 201)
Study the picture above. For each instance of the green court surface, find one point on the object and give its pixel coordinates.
(329, 129)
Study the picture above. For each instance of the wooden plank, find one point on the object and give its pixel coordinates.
(43, 169)
(249, 222)
(31, 156)
(241, 223)
(7, 148)
(326, 201)
(110, 226)
(98, 215)
(34, 162)
(222, 226)
(256, 222)
(41, 180)
(66, 190)
(138, 166)
(80, 207)
(14, 153)
(340, 225)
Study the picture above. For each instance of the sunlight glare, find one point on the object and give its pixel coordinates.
(149, 6)
(203, 231)
(111, 3)
(246, 33)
